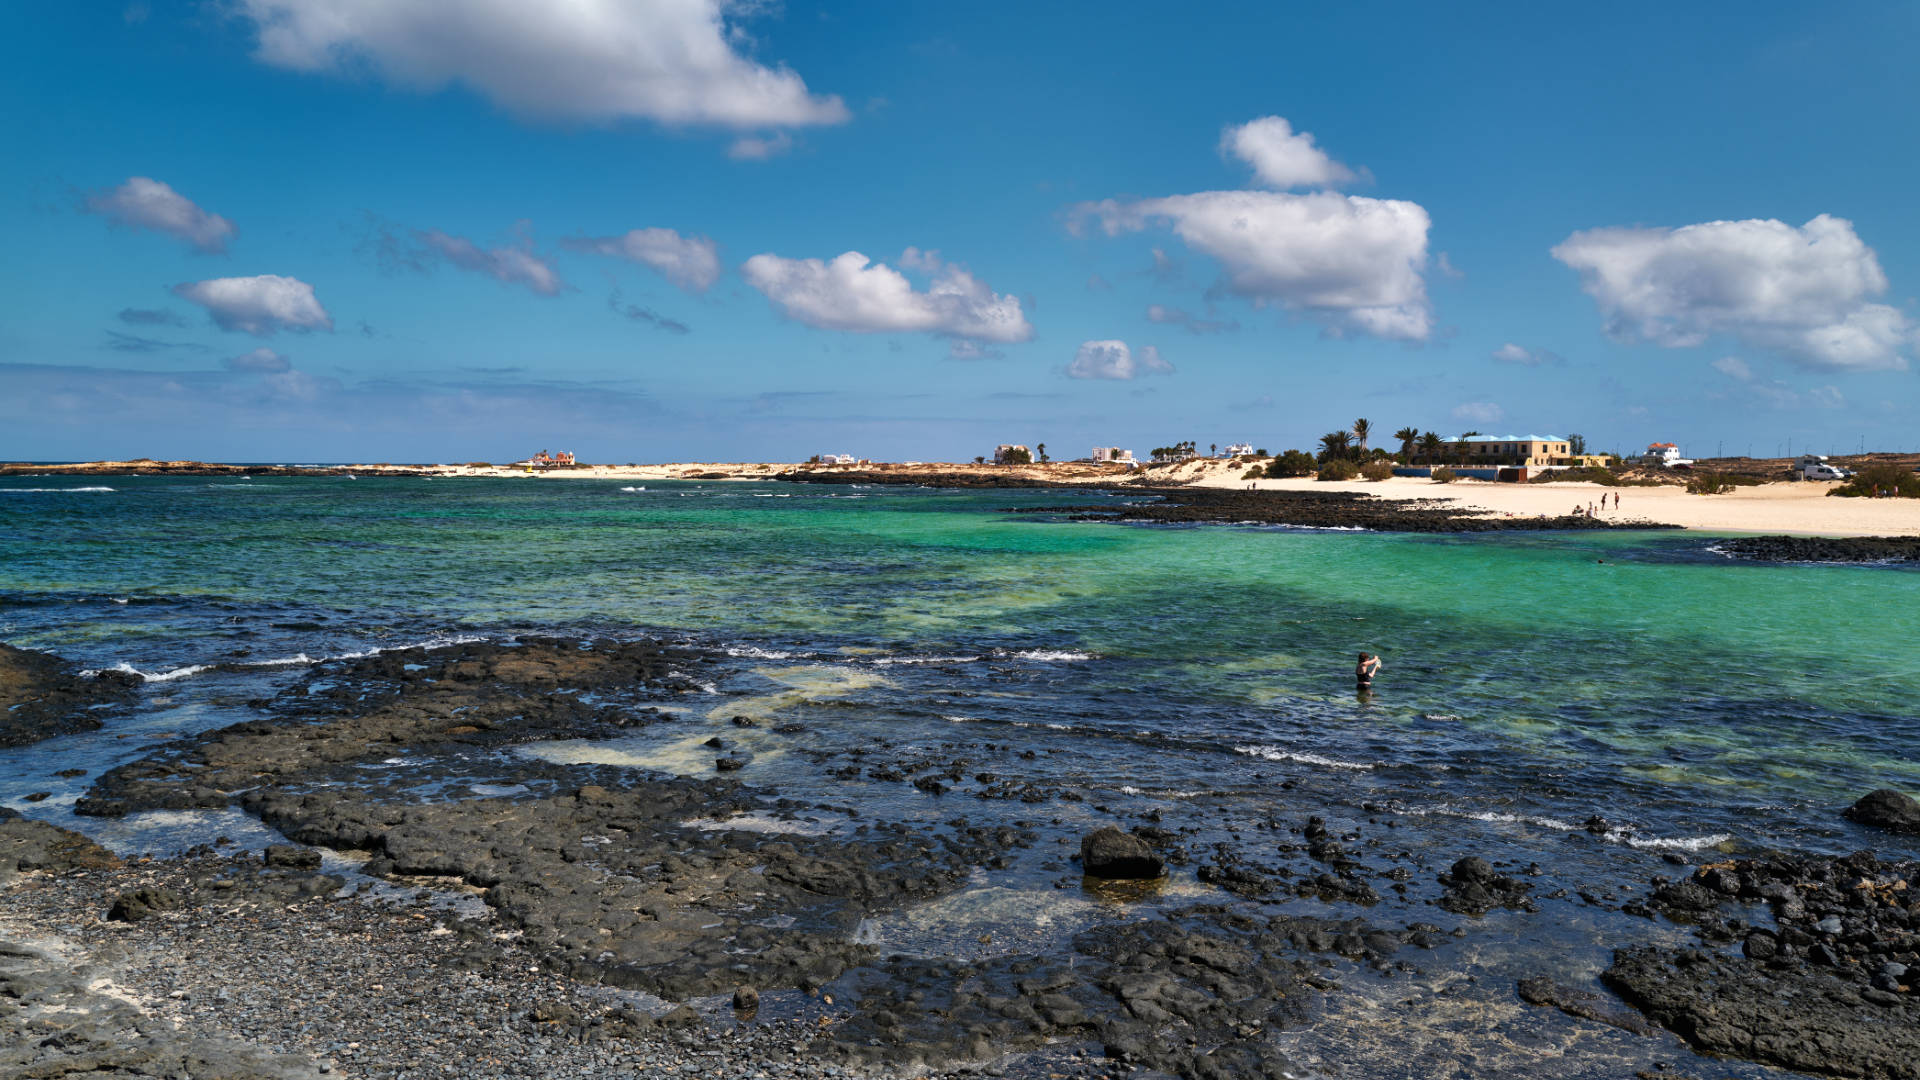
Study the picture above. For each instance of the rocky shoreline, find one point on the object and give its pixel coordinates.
(1823, 549)
(601, 920)
(188, 468)
(42, 696)
(1317, 510)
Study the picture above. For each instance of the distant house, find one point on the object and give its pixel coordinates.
(544, 460)
(1113, 454)
(1665, 455)
(1012, 454)
(1238, 449)
(838, 459)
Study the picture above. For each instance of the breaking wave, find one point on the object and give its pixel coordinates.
(1277, 753)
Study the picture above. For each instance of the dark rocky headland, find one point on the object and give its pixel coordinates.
(1823, 549)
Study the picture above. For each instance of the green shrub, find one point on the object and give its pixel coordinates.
(1710, 484)
(1291, 463)
(1338, 469)
(1590, 474)
(1881, 482)
(1444, 475)
(1377, 470)
(1254, 473)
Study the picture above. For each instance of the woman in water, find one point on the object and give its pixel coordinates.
(1364, 671)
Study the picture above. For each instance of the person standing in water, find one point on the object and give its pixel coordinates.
(1364, 671)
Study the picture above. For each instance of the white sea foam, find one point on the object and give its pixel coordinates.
(633, 489)
(757, 823)
(296, 660)
(148, 676)
(1612, 835)
(1276, 753)
(41, 491)
(754, 652)
(1052, 656)
(885, 661)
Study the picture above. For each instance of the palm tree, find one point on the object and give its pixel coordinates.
(1406, 435)
(1334, 444)
(1430, 445)
(1461, 444)
(1042, 447)
(1213, 449)
(1361, 429)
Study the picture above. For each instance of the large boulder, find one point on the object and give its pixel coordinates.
(1117, 856)
(1886, 809)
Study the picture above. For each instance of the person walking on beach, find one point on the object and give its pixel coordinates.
(1364, 671)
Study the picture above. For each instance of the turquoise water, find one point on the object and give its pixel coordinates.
(1538, 677)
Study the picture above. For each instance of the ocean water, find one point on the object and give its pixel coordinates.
(1531, 681)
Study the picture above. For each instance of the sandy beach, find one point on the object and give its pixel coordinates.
(1792, 508)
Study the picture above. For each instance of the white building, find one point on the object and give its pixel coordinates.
(1113, 454)
(1011, 453)
(1238, 449)
(838, 459)
(1665, 454)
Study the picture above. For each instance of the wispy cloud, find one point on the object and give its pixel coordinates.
(643, 315)
(144, 203)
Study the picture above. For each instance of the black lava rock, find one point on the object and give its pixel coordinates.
(1886, 809)
(288, 857)
(1116, 856)
(138, 904)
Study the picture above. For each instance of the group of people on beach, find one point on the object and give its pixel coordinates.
(1590, 511)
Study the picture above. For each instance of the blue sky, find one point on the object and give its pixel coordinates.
(360, 230)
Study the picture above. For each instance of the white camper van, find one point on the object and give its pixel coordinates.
(1816, 467)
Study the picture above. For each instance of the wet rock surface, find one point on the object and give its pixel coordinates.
(590, 919)
(460, 698)
(26, 844)
(42, 696)
(1826, 984)
(1474, 888)
(1830, 549)
(1315, 509)
(1118, 856)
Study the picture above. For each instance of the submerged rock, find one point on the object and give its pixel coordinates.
(1117, 856)
(1886, 809)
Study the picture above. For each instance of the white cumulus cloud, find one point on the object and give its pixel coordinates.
(144, 203)
(1282, 157)
(691, 262)
(1733, 367)
(1479, 412)
(677, 62)
(852, 292)
(258, 305)
(262, 359)
(1354, 263)
(514, 264)
(1804, 292)
(1114, 360)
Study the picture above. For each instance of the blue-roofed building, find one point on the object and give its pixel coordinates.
(1521, 450)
